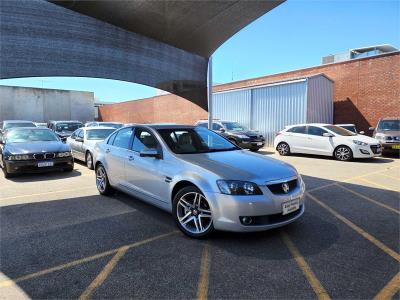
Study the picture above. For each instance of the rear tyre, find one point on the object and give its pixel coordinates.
(69, 169)
(343, 153)
(102, 183)
(89, 160)
(192, 213)
(283, 149)
(254, 149)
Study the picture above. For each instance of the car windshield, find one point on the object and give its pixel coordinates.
(339, 130)
(21, 124)
(113, 125)
(389, 125)
(234, 126)
(195, 140)
(30, 135)
(98, 134)
(68, 126)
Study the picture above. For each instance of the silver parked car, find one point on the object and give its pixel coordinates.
(206, 181)
(83, 140)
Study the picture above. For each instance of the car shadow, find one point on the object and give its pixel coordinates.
(44, 176)
(374, 160)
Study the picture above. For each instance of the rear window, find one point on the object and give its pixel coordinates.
(98, 134)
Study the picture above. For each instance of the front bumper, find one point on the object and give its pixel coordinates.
(368, 151)
(227, 209)
(251, 144)
(31, 166)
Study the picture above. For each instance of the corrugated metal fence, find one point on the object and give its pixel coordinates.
(270, 108)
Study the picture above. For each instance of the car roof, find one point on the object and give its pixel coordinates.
(162, 126)
(96, 127)
(310, 124)
(345, 124)
(66, 121)
(388, 118)
(16, 121)
(216, 121)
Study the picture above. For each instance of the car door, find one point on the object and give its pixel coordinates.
(317, 143)
(117, 153)
(296, 137)
(73, 143)
(145, 174)
(79, 144)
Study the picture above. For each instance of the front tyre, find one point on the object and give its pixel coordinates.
(89, 160)
(283, 149)
(102, 183)
(192, 213)
(343, 153)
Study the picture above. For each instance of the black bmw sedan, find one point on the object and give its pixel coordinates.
(27, 150)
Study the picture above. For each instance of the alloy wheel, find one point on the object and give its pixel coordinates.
(89, 160)
(283, 149)
(194, 213)
(343, 153)
(101, 179)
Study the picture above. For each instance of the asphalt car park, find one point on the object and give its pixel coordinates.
(61, 239)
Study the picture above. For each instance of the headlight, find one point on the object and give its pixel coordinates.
(236, 187)
(242, 136)
(379, 136)
(19, 157)
(360, 143)
(64, 154)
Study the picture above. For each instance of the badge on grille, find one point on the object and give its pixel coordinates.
(285, 187)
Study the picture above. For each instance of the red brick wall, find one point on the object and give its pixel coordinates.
(364, 91)
(161, 109)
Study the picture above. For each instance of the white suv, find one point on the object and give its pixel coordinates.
(325, 139)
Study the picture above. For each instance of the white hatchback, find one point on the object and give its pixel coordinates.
(325, 139)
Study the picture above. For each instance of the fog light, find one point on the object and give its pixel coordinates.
(364, 151)
(247, 220)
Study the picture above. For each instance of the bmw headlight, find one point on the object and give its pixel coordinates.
(64, 154)
(236, 187)
(19, 157)
(359, 143)
(242, 136)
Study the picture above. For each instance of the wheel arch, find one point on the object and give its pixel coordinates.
(180, 185)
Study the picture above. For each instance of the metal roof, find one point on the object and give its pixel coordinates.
(198, 27)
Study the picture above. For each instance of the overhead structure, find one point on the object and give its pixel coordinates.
(163, 44)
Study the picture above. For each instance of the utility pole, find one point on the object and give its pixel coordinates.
(209, 94)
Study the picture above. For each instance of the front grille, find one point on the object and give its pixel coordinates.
(376, 149)
(277, 188)
(49, 155)
(273, 219)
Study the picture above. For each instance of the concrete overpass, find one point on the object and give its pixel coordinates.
(162, 44)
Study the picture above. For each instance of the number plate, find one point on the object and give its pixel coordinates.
(45, 164)
(396, 147)
(290, 206)
(259, 144)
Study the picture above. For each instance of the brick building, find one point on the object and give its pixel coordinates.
(365, 90)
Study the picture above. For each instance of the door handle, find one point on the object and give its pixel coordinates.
(107, 150)
(130, 158)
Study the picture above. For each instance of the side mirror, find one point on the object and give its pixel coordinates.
(2, 142)
(79, 139)
(361, 132)
(222, 129)
(327, 134)
(372, 128)
(150, 153)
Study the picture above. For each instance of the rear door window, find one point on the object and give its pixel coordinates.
(298, 129)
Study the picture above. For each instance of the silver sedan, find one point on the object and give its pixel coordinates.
(83, 140)
(204, 180)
